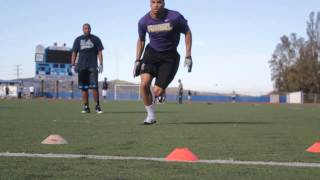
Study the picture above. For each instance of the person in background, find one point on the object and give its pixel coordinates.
(31, 90)
(105, 87)
(189, 97)
(233, 97)
(180, 92)
(20, 91)
(7, 91)
(88, 48)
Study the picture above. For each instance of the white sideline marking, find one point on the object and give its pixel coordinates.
(225, 162)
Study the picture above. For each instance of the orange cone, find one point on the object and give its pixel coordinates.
(315, 148)
(182, 155)
(54, 140)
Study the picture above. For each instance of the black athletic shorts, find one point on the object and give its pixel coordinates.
(88, 78)
(161, 65)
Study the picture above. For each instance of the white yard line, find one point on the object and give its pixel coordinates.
(225, 162)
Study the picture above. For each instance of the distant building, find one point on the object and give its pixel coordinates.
(53, 63)
(14, 88)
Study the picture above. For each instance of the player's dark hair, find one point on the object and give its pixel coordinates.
(163, 1)
(87, 24)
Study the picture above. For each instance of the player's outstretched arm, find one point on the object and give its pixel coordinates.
(188, 61)
(73, 58)
(188, 43)
(100, 58)
(140, 48)
(137, 63)
(73, 62)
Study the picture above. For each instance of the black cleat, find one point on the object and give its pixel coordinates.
(85, 110)
(149, 123)
(98, 110)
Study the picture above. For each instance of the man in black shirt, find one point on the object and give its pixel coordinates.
(180, 92)
(88, 48)
(105, 87)
(7, 91)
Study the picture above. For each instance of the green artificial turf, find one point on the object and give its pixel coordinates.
(250, 132)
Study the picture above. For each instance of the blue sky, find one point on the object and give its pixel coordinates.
(233, 39)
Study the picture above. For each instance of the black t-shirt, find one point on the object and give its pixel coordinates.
(180, 89)
(88, 48)
(105, 86)
(189, 93)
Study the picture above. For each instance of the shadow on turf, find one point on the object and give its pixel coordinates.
(222, 123)
(138, 112)
(6, 107)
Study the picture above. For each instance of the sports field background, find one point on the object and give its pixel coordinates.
(250, 132)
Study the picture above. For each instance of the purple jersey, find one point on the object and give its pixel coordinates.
(164, 34)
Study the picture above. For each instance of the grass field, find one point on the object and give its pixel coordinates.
(249, 132)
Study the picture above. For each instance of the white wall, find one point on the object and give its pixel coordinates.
(295, 98)
(13, 91)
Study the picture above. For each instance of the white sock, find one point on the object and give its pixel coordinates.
(150, 110)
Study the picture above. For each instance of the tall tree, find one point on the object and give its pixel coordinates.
(295, 61)
(312, 50)
(282, 61)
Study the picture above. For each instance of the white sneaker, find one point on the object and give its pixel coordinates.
(85, 110)
(149, 121)
(98, 110)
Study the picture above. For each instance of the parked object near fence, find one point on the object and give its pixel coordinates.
(274, 98)
(14, 87)
(295, 98)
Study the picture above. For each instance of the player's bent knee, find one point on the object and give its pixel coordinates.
(145, 85)
(157, 91)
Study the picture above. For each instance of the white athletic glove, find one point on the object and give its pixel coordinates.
(74, 69)
(188, 63)
(100, 68)
(136, 68)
